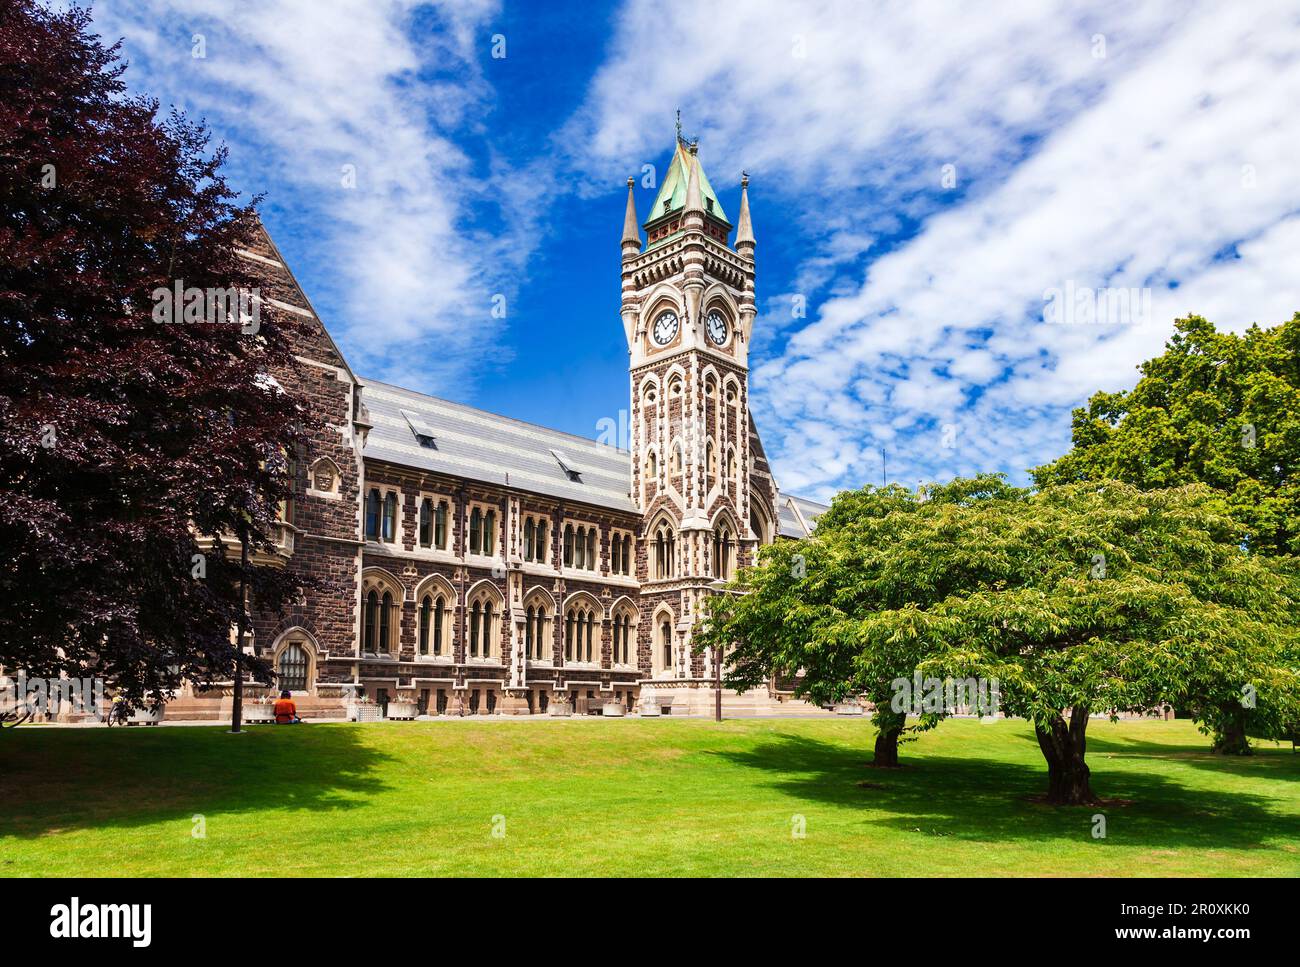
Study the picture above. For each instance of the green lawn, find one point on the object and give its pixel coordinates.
(660, 797)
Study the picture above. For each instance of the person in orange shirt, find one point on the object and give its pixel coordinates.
(286, 712)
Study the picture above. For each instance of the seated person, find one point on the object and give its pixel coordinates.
(286, 712)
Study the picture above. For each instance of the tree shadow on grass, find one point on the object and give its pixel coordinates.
(56, 780)
(1269, 761)
(982, 799)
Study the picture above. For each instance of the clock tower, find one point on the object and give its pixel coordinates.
(688, 314)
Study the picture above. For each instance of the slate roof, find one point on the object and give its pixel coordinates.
(797, 516)
(412, 429)
(478, 445)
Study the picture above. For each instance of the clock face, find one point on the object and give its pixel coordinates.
(716, 327)
(665, 327)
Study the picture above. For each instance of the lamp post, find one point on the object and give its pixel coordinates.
(237, 699)
(717, 685)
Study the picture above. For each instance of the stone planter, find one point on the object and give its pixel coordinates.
(849, 708)
(146, 716)
(365, 713)
(259, 712)
(403, 711)
(559, 709)
(612, 710)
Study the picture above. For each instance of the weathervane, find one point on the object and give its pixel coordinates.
(679, 124)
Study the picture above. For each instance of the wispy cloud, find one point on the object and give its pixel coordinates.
(353, 116)
(1125, 145)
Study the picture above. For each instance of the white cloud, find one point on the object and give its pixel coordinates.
(301, 89)
(1131, 170)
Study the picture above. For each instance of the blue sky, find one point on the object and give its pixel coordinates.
(923, 176)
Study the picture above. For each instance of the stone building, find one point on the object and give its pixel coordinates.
(475, 564)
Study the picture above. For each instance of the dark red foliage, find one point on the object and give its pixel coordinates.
(123, 441)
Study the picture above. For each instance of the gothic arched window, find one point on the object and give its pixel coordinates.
(433, 616)
(665, 547)
(292, 671)
(723, 552)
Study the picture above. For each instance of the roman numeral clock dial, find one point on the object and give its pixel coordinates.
(716, 327)
(665, 328)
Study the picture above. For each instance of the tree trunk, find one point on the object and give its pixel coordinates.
(1064, 747)
(1230, 737)
(887, 746)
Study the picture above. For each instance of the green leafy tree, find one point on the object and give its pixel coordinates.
(1216, 408)
(128, 447)
(1074, 600)
(839, 608)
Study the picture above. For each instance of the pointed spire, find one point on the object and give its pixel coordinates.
(744, 228)
(694, 198)
(631, 234)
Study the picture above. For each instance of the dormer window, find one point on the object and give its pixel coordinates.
(422, 430)
(570, 469)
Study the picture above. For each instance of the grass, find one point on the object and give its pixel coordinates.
(632, 797)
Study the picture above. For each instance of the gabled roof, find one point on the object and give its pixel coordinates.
(672, 190)
(797, 516)
(467, 442)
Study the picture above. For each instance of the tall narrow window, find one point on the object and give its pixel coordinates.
(666, 643)
(438, 610)
(568, 636)
(372, 514)
(591, 549)
(528, 632)
(622, 633)
(489, 545)
(590, 622)
(426, 522)
(440, 526)
(530, 540)
(539, 635)
(475, 530)
(385, 616)
(287, 508)
(568, 545)
(474, 617)
(487, 629)
(426, 616)
(370, 623)
(390, 516)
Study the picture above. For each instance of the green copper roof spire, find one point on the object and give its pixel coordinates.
(671, 198)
